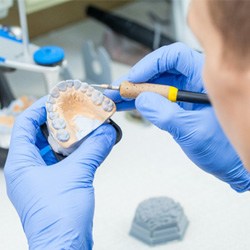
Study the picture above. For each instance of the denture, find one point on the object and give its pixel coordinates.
(74, 110)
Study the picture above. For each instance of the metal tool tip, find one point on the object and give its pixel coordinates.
(105, 86)
(96, 85)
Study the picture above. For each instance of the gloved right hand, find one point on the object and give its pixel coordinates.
(194, 127)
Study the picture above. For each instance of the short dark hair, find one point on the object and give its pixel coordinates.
(232, 19)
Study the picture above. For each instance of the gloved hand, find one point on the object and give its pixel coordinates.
(55, 203)
(193, 126)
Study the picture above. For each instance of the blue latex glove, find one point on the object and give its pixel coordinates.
(55, 203)
(194, 127)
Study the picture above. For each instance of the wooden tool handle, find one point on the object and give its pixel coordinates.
(131, 90)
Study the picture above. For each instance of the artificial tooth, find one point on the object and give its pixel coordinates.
(62, 135)
(50, 107)
(97, 97)
(107, 101)
(77, 84)
(55, 92)
(51, 99)
(84, 87)
(62, 86)
(107, 106)
(111, 105)
(58, 123)
(53, 115)
(69, 83)
(89, 91)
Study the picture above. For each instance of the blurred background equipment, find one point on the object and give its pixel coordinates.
(4, 7)
(181, 29)
(163, 30)
(127, 39)
(97, 63)
(129, 28)
(16, 53)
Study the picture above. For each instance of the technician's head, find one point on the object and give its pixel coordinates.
(223, 29)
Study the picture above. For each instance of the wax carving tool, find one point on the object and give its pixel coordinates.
(131, 90)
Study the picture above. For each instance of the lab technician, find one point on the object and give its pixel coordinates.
(56, 203)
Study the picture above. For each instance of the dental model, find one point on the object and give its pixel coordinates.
(8, 116)
(159, 220)
(74, 110)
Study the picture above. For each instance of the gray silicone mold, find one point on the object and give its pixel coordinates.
(159, 220)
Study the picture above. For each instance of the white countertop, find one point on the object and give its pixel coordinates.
(148, 163)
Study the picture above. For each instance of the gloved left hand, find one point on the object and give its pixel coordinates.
(55, 203)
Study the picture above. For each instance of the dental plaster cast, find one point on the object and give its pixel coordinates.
(8, 116)
(74, 110)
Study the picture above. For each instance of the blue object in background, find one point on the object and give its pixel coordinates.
(5, 33)
(49, 55)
